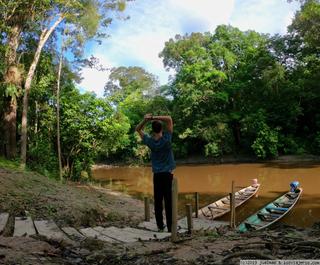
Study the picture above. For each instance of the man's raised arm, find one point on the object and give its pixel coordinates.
(167, 120)
(141, 125)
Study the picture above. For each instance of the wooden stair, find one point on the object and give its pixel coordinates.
(25, 227)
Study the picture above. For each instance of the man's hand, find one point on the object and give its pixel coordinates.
(140, 126)
(148, 117)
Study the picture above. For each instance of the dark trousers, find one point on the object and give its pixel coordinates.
(162, 183)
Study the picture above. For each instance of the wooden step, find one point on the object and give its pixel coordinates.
(119, 235)
(90, 232)
(3, 221)
(152, 226)
(73, 233)
(23, 226)
(146, 235)
(50, 230)
(201, 223)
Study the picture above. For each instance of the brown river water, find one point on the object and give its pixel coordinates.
(214, 181)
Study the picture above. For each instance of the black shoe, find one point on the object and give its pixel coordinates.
(161, 229)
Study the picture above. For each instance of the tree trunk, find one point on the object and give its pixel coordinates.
(10, 112)
(43, 39)
(10, 121)
(58, 112)
(36, 123)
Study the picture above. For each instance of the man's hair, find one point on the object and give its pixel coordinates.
(156, 126)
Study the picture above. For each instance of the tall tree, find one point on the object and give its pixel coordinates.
(87, 17)
(58, 105)
(305, 44)
(14, 16)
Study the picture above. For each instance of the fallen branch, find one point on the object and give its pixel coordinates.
(181, 240)
(250, 244)
(4, 246)
(305, 248)
(248, 253)
(315, 244)
(157, 251)
(45, 254)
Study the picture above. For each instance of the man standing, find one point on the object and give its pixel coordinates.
(162, 164)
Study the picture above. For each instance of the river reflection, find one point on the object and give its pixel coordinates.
(214, 181)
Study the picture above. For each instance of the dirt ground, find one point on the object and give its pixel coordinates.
(205, 247)
(82, 205)
(76, 204)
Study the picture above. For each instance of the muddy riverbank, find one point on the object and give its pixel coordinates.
(83, 205)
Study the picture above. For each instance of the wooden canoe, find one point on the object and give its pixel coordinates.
(272, 212)
(222, 206)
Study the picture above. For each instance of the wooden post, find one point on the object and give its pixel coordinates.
(189, 217)
(174, 225)
(196, 197)
(232, 207)
(231, 212)
(146, 209)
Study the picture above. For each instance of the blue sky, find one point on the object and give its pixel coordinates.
(139, 40)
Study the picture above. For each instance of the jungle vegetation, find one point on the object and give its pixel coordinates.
(233, 92)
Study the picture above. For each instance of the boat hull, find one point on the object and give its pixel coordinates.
(271, 213)
(222, 206)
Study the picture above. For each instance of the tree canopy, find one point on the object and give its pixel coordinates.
(233, 92)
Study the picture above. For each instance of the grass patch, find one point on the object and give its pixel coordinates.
(9, 164)
(67, 203)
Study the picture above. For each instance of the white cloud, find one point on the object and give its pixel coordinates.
(139, 40)
(209, 13)
(265, 16)
(94, 80)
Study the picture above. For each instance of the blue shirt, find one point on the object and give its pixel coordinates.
(161, 152)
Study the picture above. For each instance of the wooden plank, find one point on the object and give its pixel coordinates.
(152, 226)
(73, 233)
(119, 235)
(98, 228)
(23, 226)
(3, 221)
(50, 230)
(146, 235)
(201, 223)
(90, 232)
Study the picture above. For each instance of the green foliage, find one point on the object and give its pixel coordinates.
(214, 74)
(266, 143)
(42, 156)
(141, 152)
(89, 127)
(9, 164)
(306, 23)
(212, 149)
(134, 92)
(288, 144)
(233, 92)
(316, 144)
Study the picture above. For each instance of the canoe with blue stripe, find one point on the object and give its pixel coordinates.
(272, 212)
(222, 206)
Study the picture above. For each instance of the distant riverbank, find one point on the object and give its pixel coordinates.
(194, 160)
